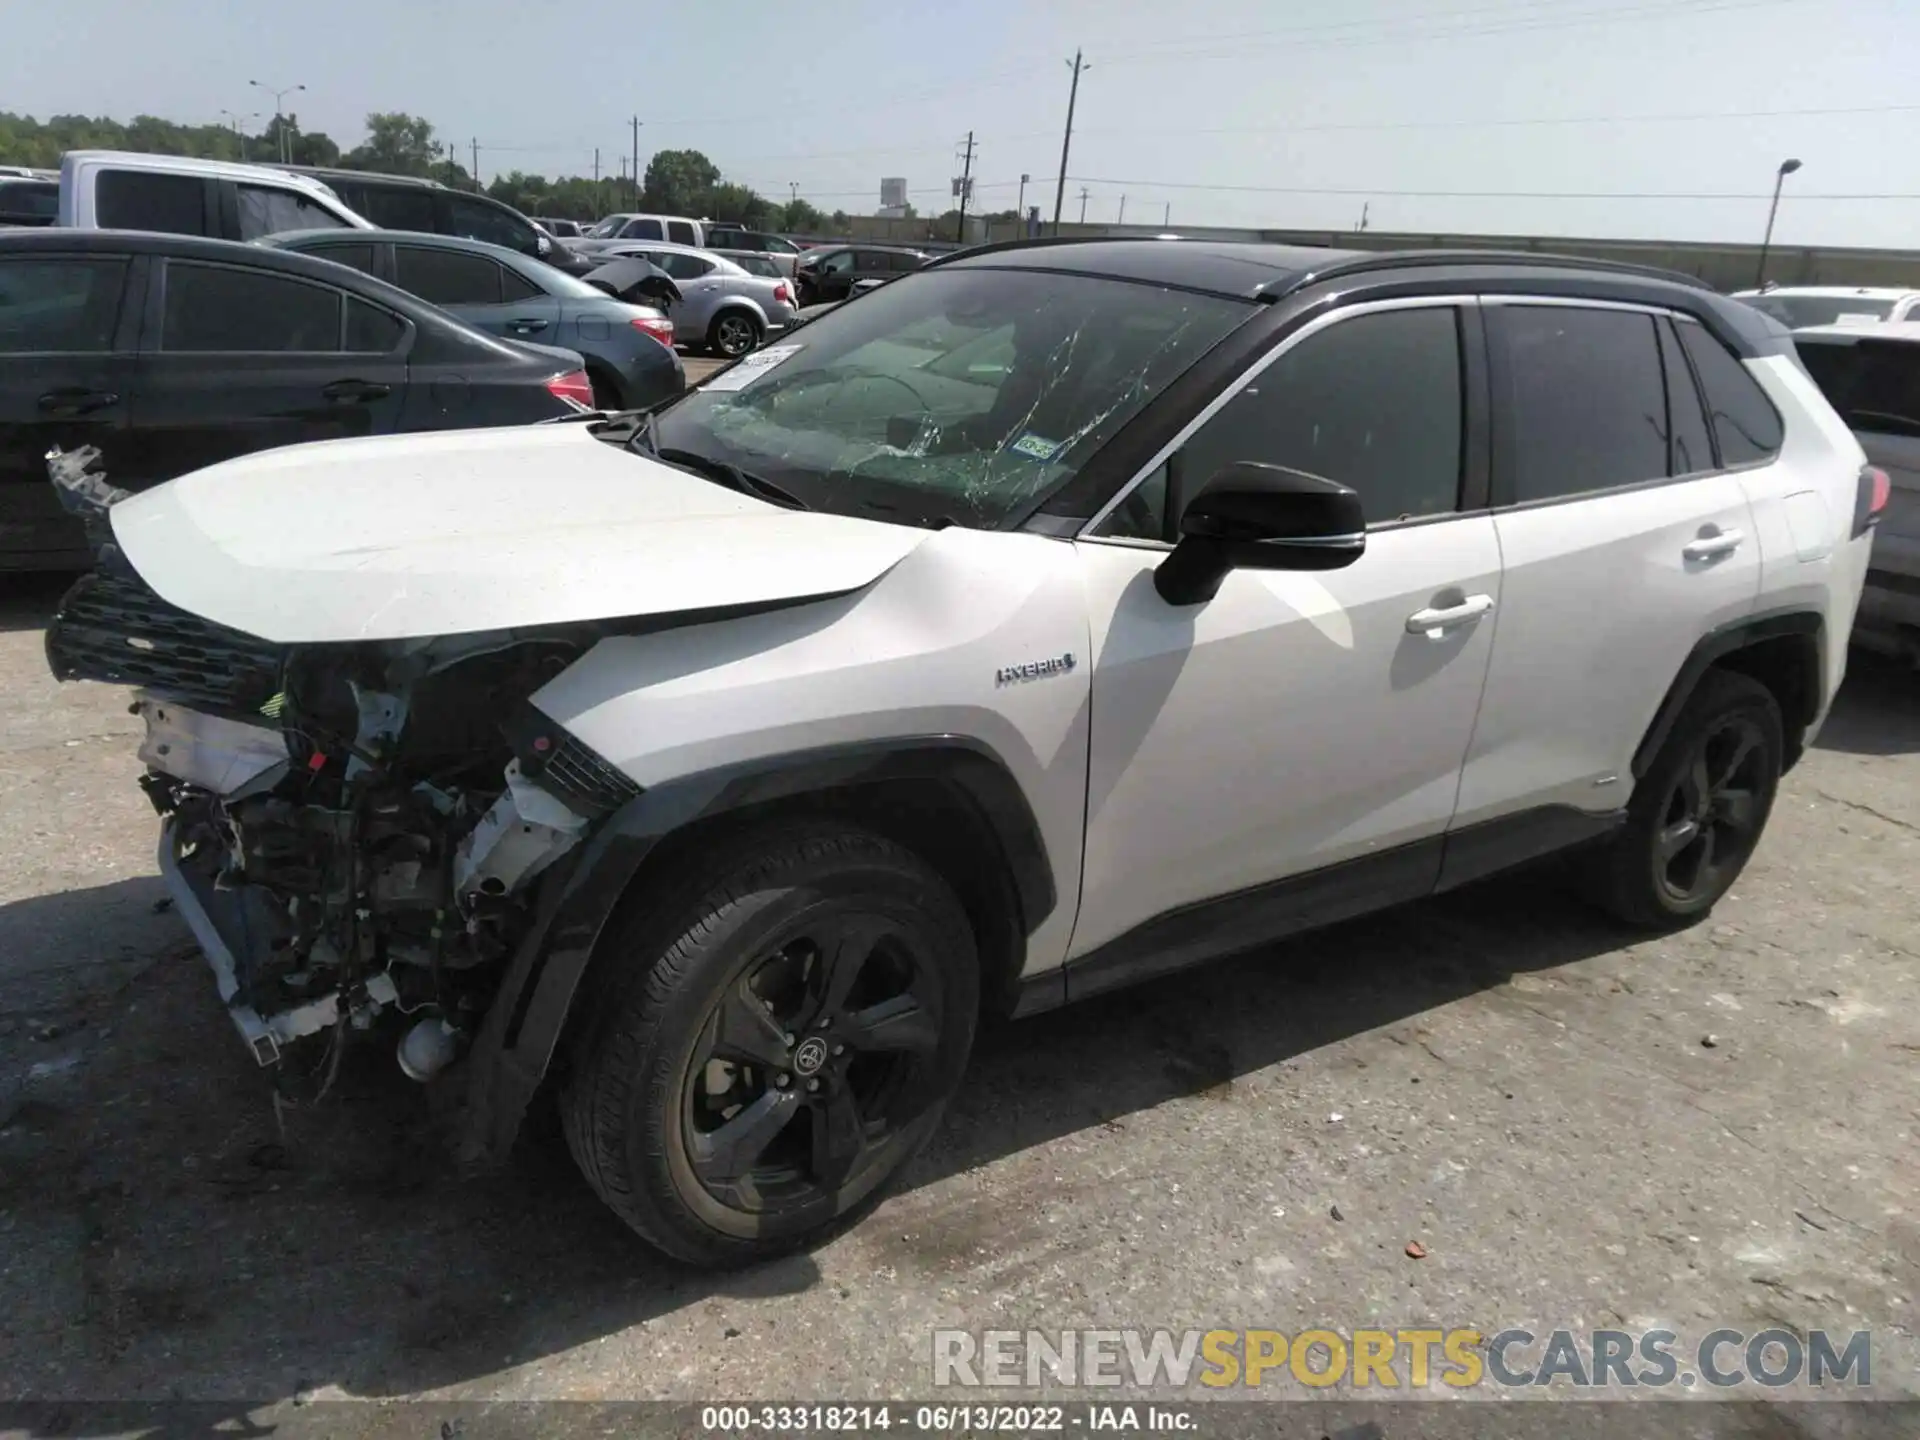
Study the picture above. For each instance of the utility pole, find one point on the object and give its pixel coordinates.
(476, 162)
(636, 162)
(1123, 211)
(1066, 141)
(596, 167)
(1021, 208)
(1364, 209)
(1083, 209)
(964, 185)
(1166, 215)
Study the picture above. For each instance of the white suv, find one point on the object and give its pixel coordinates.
(1056, 617)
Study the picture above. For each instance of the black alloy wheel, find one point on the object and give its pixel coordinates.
(768, 1035)
(1711, 819)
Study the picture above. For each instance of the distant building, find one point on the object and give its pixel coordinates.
(893, 194)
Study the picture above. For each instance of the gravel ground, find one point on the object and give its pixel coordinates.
(1714, 1128)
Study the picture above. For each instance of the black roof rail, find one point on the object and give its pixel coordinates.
(1540, 259)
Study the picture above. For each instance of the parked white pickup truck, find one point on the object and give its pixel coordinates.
(177, 195)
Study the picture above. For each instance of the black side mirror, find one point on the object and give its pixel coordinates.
(1252, 516)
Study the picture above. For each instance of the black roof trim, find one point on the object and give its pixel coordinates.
(1532, 259)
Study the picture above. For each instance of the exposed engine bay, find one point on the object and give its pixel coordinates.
(352, 831)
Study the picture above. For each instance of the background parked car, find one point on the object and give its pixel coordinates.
(736, 240)
(559, 229)
(767, 267)
(175, 195)
(722, 308)
(406, 202)
(172, 352)
(28, 201)
(628, 349)
(828, 272)
(1871, 376)
(1800, 306)
(626, 226)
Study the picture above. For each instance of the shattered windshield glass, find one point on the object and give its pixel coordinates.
(952, 396)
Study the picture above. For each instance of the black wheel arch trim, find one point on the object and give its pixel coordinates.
(1716, 646)
(521, 1033)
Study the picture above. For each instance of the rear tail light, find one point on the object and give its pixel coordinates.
(573, 387)
(658, 326)
(783, 293)
(1870, 500)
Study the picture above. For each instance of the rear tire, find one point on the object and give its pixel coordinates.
(606, 394)
(1700, 809)
(732, 334)
(775, 1030)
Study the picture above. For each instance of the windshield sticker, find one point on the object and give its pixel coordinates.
(749, 368)
(1035, 447)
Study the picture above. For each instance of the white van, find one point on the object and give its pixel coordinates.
(177, 195)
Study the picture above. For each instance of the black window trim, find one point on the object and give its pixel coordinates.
(1473, 493)
(153, 332)
(1503, 458)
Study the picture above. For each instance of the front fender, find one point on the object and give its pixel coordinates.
(529, 1014)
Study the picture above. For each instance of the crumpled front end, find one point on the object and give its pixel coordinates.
(354, 832)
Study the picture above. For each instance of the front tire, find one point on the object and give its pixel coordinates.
(1699, 811)
(777, 1027)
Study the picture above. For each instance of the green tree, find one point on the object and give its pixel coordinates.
(739, 204)
(800, 217)
(399, 144)
(679, 182)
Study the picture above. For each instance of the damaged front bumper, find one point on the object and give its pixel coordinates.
(219, 923)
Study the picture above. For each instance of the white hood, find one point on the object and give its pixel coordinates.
(461, 531)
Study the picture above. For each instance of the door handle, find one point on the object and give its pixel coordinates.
(526, 327)
(76, 402)
(1712, 547)
(1434, 623)
(356, 391)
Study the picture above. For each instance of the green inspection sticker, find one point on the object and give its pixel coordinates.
(1035, 447)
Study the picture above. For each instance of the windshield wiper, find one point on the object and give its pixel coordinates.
(732, 476)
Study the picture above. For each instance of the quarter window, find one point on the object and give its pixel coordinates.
(1588, 404)
(213, 308)
(1745, 423)
(371, 330)
(59, 306)
(515, 287)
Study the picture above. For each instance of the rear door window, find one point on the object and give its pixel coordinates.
(446, 277)
(681, 233)
(1587, 402)
(269, 210)
(642, 230)
(684, 267)
(1745, 425)
(216, 308)
(148, 200)
(59, 306)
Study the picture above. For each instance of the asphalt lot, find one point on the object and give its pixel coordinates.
(1497, 1076)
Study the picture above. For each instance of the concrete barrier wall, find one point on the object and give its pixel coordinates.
(1725, 267)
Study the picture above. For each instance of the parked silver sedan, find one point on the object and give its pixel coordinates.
(723, 308)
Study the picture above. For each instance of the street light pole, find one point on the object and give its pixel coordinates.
(286, 146)
(1787, 167)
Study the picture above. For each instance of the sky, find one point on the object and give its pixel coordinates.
(1656, 119)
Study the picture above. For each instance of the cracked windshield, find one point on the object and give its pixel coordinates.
(961, 396)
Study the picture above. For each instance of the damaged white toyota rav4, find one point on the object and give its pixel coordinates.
(1058, 616)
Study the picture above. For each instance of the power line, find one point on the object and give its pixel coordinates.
(1386, 21)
